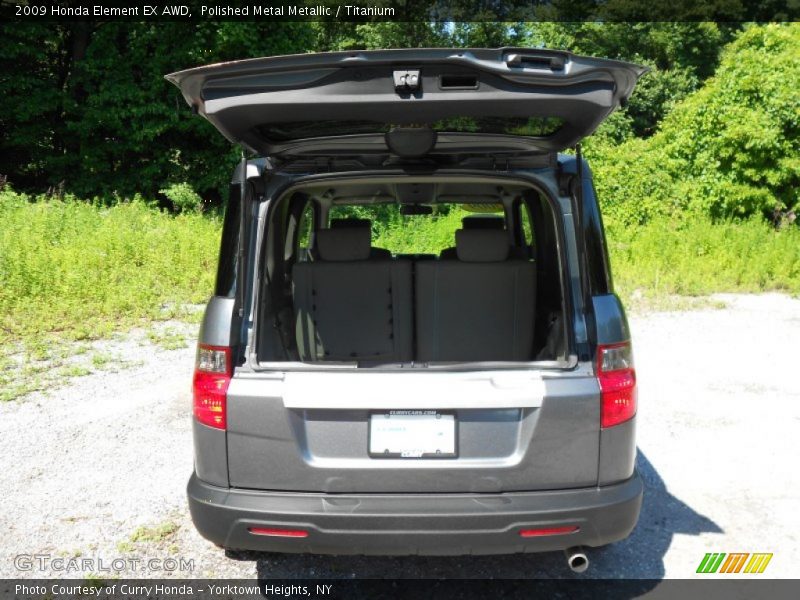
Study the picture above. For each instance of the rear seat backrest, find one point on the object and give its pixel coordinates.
(349, 307)
(474, 222)
(478, 308)
(351, 222)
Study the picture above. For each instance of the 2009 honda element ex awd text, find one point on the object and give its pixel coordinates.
(472, 397)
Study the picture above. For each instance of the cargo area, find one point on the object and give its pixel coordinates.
(484, 286)
(398, 356)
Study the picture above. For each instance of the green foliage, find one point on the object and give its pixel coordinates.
(617, 128)
(486, 34)
(91, 107)
(681, 56)
(656, 94)
(183, 197)
(419, 234)
(83, 270)
(417, 34)
(730, 150)
(156, 533)
(691, 45)
(168, 339)
(698, 257)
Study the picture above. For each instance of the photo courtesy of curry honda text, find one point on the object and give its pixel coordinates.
(353, 399)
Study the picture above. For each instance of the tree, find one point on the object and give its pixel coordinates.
(729, 150)
(681, 55)
(91, 107)
(88, 104)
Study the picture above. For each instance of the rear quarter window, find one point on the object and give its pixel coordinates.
(229, 244)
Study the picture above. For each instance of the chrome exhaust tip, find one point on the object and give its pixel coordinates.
(577, 559)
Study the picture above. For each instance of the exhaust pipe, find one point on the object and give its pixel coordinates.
(577, 559)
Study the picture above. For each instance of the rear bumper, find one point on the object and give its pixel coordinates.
(397, 524)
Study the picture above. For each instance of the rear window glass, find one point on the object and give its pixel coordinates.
(418, 234)
(524, 126)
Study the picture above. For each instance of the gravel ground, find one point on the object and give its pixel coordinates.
(97, 469)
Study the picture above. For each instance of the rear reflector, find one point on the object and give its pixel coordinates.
(617, 379)
(293, 533)
(549, 531)
(212, 375)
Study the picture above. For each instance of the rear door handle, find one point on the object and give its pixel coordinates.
(554, 63)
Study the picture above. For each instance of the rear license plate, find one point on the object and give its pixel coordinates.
(412, 434)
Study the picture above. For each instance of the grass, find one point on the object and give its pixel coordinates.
(168, 339)
(696, 258)
(81, 271)
(156, 534)
(73, 271)
(101, 360)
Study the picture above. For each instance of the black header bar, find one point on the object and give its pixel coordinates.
(440, 11)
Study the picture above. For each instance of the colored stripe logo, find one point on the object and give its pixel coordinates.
(735, 562)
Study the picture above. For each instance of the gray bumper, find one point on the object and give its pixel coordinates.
(396, 524)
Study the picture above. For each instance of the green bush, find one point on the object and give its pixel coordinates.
(421, 234)
(183, 197)
(681, 56)
(104, 121)
(83, 270)
(730, 150)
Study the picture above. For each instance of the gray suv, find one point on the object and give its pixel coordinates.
(472, 397)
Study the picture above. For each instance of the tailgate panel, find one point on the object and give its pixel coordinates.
(550, 443)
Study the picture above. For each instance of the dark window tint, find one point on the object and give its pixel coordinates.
(596, 250)
(226, 271)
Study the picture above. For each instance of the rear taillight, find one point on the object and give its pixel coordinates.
(543, 531)
(212, 375)
(269, 531)
(617, 379)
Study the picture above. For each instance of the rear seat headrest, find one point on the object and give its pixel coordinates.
(343, 244)
(350, 222)
(482, 245)
(483, 222)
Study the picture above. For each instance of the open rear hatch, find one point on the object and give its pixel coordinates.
(410, 102)
(465, 430)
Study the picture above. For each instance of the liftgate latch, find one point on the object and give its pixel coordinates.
(407, 81)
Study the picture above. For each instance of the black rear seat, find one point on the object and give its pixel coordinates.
(349, 306)
(478, 308)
